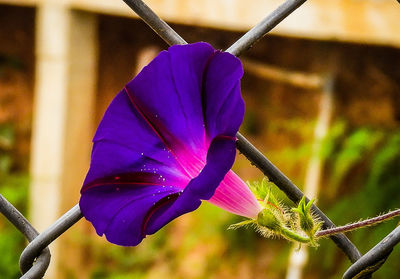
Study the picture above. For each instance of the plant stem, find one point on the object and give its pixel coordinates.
(294, 236)
(357, 225)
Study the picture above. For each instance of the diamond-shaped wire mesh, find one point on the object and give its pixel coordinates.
(35, 258)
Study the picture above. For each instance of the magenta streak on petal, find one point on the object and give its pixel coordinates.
(162, 202)
(90, 186)
(157, 133)
(234, 195)
(226, 137)
(135, 178)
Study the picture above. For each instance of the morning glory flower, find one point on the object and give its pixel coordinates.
(167, 142)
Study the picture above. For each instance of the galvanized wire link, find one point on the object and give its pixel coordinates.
(157, 24)
(244, 146)
(20, 222)
(375, 257)
(35, 247)
(293, 192)
(266, 25)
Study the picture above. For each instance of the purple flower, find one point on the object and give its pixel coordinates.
(166, 142)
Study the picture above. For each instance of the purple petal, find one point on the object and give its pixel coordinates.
(119, 210)
(171, 129)
(125, 143)
(223, 111)
(168, 91)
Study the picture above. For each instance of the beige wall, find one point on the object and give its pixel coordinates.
(367, 21)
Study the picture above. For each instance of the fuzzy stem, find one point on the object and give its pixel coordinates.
(357, 225)
(294, 236)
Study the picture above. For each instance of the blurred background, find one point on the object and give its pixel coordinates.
(322, 95)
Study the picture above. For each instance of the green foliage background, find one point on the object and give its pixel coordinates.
(361, 180)
(364, 181)
(13, 186)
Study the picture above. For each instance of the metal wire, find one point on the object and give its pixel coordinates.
(266, 25)
(43, 240)
(159, 26)
(20, 222)
(375, 257)
(293, 192)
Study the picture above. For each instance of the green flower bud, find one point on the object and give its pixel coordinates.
(268, 219)
(307, 222)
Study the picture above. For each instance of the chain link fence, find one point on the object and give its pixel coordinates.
(35, 259)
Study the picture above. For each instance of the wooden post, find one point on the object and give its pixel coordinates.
(80, 127)
(298, 257)
(48, 133)
(66, 57)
